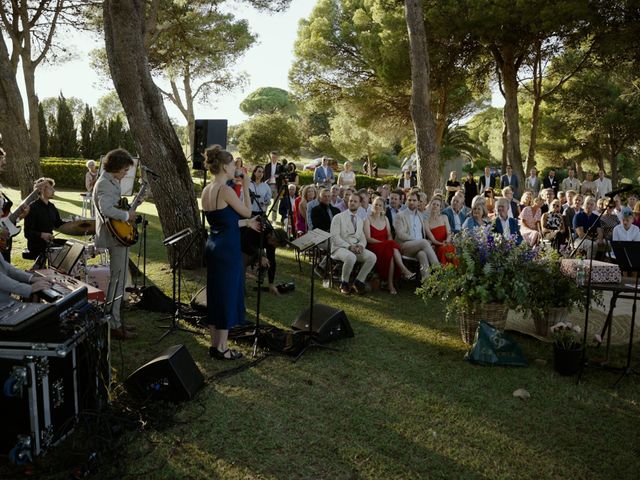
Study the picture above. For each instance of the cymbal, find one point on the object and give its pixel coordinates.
(78, 227)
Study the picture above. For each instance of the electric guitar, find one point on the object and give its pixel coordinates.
(125, 231)
(10, 220)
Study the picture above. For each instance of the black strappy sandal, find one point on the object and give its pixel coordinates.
(218, 355)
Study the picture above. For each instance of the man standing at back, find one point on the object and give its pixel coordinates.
(551, 182)
(571, 182)
(272, 175)
(509, 179)
(488, 180)
(603, 184)
(323, 175)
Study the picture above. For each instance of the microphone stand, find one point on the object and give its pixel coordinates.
(588, 233)
(263, 220)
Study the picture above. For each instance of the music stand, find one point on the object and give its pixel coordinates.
(176, 268)
(310, 241)
(628, 256)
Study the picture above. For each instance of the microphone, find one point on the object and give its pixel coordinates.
(620, 190)
(254, 196)
(148, 171)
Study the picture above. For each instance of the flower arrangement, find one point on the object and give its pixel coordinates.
(566, 336)
(488, 272)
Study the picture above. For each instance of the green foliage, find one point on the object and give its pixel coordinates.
(86, 133)
(67, 172)
(44, 133)
(263, 133)
(65, 132)
(305, 177)
(268, 100)
(489, 271)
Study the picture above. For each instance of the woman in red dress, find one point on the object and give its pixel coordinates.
(379, 241)
(307, 194)
(439, 233)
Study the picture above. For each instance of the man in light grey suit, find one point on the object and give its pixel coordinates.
(410, 234)
(106, 195)
(348, 246)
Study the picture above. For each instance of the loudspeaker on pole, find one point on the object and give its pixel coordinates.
(207, 132)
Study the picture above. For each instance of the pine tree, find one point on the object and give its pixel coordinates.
(44, 133)
(87, 127)
(65, 130)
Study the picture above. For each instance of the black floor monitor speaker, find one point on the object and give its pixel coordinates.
(328, 322)
(207, 132)
(172, 376)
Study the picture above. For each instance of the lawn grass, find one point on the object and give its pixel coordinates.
(397, 400)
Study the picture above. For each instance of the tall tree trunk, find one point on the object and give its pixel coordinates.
(533, 140)
(508, 64)
(154, 136)
(23, 162)
(28, 70)
(505, 140)
(423, 124)
(441, 116)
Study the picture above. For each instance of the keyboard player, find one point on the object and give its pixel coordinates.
(16, 281)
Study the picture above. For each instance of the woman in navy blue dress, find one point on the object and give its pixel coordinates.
(226, 213)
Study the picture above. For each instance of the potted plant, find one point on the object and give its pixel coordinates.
(567, 349)
(485, 283)
(551, 294)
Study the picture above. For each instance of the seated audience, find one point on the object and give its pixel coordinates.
(377, 231)
(477, 217)
(609, 220)
(439, 233)
(530, 222)
(322, 214)
(410, 234)
(348, 244)
(627, 231)
(636, 214)
(514, 208)
(455, 213)
(582, 223)
(307, 195)
(552, 225)
(490, 203)
(547, 195)
(363, 211)
(423, 203)
(526, 200)
(395, 207)
(336, 199)
(570, 212)
(503, 223)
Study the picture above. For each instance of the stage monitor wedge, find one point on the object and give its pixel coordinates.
(172, 376)
(207, 132)
(329, 323)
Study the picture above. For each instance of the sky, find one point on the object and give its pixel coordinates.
(266, 64)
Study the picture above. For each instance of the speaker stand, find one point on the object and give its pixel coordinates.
(311, 341)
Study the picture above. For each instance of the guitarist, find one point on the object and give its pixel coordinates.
(106, 195)
(5, 207)
(43, 217)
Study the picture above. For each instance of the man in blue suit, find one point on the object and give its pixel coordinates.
(503, 224)
(323, 175)
(456, 213)
(510, 179)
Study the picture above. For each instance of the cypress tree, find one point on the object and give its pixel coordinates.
(65, 130)
(87, 127)
(44, 133)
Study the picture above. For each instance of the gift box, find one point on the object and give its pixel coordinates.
(603, 272)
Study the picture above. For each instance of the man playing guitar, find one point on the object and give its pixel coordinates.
(5, 208)
(106, 195)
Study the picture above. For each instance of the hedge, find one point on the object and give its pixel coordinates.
(362, 181)
(67, 172)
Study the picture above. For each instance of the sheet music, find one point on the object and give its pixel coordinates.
(311, 239)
